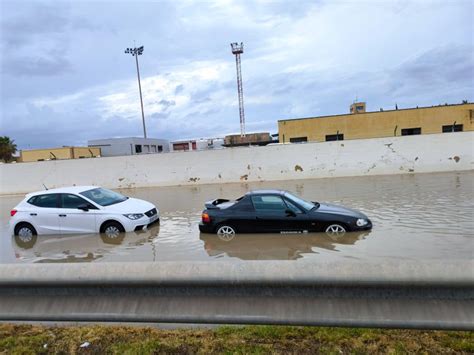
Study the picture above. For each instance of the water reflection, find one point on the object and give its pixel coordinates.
(78, 248)
(276, 246)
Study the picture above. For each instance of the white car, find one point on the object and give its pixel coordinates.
(81, 209)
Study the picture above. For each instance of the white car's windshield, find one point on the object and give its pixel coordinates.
(104, 197)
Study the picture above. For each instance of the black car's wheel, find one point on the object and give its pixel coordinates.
(225, 232)
(336, 229)
(25, 235)
(112, 229)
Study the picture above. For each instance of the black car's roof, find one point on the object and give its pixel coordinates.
(266, 192)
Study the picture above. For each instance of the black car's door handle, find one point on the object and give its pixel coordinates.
(62, 215)
(33, 214)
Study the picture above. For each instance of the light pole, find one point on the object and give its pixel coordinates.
(136, 52)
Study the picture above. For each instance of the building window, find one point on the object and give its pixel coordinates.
(147, 148)
(453, 128)
(153, 148)
(411, 131)
(160, 148)
(138, 148)
(298, 139)
(334, 137)
(359, 108)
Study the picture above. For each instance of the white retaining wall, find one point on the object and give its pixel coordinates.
(396, 155)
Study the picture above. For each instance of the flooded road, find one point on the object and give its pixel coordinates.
(415, 217)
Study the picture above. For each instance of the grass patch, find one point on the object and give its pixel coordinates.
(29, 339)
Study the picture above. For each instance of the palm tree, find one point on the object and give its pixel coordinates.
(7, 149)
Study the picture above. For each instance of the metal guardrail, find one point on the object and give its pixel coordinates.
(390, 295)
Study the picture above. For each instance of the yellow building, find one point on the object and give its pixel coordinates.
(360, 124)
(58, 153)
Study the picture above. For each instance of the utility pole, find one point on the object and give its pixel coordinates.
(136, 52)
(237, 50)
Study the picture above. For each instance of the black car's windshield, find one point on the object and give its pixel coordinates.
(104, 197)
(303, 203)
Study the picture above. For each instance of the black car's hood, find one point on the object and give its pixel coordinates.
(335, 209)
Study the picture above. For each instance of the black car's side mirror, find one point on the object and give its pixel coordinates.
(85, 207)
(290, 213)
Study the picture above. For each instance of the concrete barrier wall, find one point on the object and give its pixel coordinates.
(396, 155)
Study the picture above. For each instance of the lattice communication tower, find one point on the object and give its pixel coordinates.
(237, 50)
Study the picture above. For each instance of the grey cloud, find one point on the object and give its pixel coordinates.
(282, 90)
(24, 27)
(179, 89)
(203, 95)
(31, 20)
(44, 127)
(30, 66)
(284, 9)
(167, 103)
(439, 75)
(65, 48)
(230, 84)
(439, 68)
(445, 63)
(201, 100)
(159, 116)
(210, 112)
(36, 34)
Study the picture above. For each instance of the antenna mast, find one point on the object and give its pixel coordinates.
(237, 50)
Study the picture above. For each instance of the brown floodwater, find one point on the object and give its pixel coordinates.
(415, 217)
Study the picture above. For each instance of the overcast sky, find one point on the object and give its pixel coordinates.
(65, 78)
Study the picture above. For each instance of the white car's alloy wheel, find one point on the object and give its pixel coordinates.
(112, 231)
(25, 233)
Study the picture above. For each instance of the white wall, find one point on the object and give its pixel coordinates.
(397, 155)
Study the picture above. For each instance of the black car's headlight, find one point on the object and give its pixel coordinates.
(134, 216)
(361, 222)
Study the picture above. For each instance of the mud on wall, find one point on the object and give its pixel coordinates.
(397, 155)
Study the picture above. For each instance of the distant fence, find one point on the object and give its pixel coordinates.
(390, 295)
(379, 156)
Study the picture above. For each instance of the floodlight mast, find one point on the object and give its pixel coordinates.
(238, 49)
(136, 52)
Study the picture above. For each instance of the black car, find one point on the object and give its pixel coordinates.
(265, 211)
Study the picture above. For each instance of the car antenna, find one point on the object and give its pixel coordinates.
(45, 187)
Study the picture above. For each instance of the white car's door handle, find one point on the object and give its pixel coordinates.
(62, 215)
(33, 214)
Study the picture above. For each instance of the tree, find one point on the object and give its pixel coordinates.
(7, 149)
